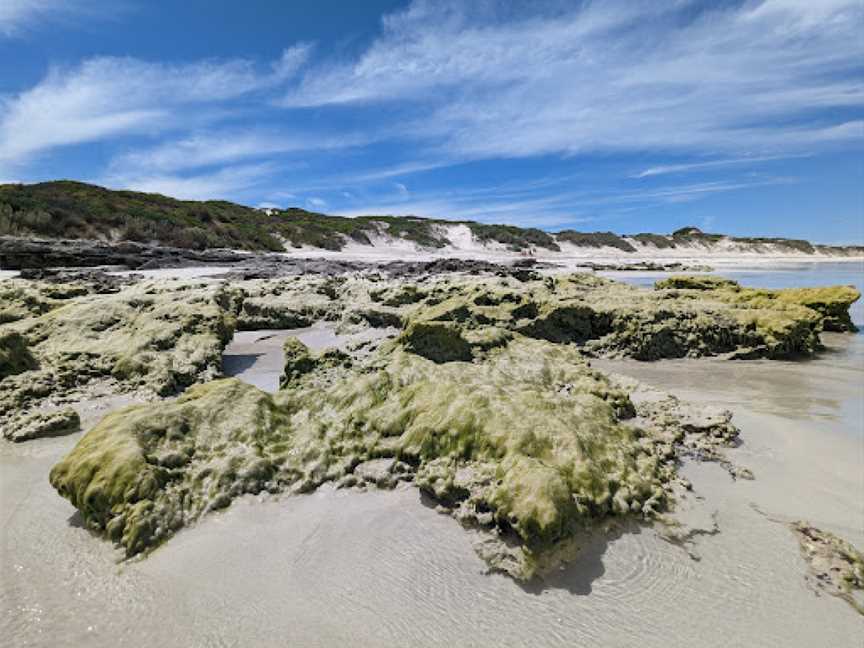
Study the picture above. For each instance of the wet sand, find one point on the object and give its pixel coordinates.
(380, 568)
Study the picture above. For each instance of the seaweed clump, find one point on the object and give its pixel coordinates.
(836, 566)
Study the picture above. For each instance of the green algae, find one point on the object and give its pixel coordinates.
(836, 565)
(145, 471)
(539, 432)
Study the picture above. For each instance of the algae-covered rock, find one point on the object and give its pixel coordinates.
(836, 567)
(608, 318)
(37, 425)
(528, 442)
(696, 282)
(15, 356)
(146, 470)
(20, 300)
(485, 401)
(831, 303)
(160, 337)
(300, 361)
(777, 309)
(436, 341)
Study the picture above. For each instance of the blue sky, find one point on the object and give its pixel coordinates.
(740, 117)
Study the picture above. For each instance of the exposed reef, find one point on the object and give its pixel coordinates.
(530, 446)
(483, 395)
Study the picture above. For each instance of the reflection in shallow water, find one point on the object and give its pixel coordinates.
(256, 357)
(828, 389)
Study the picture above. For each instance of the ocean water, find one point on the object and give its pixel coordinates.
(384, 569)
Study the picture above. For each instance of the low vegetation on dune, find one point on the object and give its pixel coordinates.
(595, 240)
(74, 210)
(482, 397)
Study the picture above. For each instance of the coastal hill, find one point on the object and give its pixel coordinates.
(74, 210)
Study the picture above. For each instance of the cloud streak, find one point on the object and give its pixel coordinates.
(110, 97)
(710, 164)
(612, 76)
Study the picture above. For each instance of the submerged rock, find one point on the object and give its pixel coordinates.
(836, 567)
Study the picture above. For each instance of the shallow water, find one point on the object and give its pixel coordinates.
(383, 569)
(256, 357)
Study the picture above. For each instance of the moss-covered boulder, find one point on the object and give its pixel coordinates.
(696, 282)
(528, 441)
(145, 471)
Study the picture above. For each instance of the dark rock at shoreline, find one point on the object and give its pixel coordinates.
(23, 254)
(645, 266)
(95, 281)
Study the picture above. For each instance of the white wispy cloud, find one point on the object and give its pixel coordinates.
(611, 76)
(105, 97)
(664, 169)
(19, 15)
(533, 204)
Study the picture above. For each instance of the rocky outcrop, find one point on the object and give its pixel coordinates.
(710, 316)
(830, 303)
(156, 338)
(22, 253)
(645, 266)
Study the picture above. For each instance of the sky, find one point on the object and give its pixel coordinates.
(741, 117)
